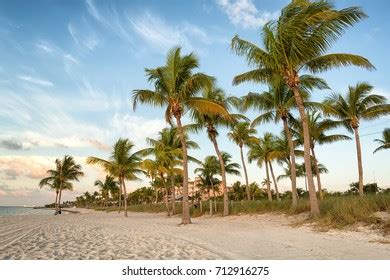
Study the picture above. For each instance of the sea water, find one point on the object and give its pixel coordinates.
(20, 210)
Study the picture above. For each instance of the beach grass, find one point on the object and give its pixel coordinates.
(336, 211)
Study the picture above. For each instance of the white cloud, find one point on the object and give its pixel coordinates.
(136, 128)
(46, 47)
(244, 13)
(71, 58)
(35, 80)
(167, 36)
(86, 40)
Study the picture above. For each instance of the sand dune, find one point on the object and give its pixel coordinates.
(99, 235)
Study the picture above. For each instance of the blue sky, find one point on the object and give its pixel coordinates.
(67, 69)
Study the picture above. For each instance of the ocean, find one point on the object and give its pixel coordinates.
(20, 210)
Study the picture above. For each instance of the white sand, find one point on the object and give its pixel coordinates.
(99, 235)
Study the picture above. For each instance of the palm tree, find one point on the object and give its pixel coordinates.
(298, 41)
(211, 122)
(108, 186)
(385, 141)
(318, 128)
(176, 87)
(242, 134)
(122, 164)
(53, 184)
(66, 171)
(264, 151)
(209, 168)
(276, 105)
(359, 104)
(167, 150)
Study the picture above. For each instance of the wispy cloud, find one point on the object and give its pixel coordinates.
(99, 145)
(167, 35)
(35, 80)
(87, 40)
(244, 13)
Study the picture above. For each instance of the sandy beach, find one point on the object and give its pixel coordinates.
(100, 235)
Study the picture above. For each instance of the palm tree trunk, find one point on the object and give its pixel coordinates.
(359, 158)
(210, 203)
(293, 168)
(215, 202)
(319, 186)
(185, 216)
(275, 184)
(125, 196)
(55, 204)
(268, 182)
(248, 194)
(120, 196)
(223, 175)
(59, 199)
(314, 208)
(173, 196)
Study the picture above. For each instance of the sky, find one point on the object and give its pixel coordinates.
(67, 69)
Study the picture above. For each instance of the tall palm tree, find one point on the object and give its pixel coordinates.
(318, 128)
(106, 187)
(298, 41)
(385, 141)
(359, 104)
(242, 134)
(176, 88)
(276, 105)
(66, 171)
(211, 122)
(122, 164)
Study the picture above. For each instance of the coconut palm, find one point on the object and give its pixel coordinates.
(242, 134)
(66, 171)
(53, 184)
(207, 171)
(176, 88)
(122, 164)
(318, 128)
(106, 187)
(167, 151)
(211, 122)
(298, 41)
(385, 141)
(358, 104)
(264, 151)
(276, 105)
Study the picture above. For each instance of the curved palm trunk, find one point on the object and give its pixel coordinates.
(185, 216)
(120, 196)
(173, 195)
(293, 168)
(317, 174)
(248, 194)
(125, 196)
(223, 175)
(268, 182)
(314, 208)
(274, 180)
(359, 158)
